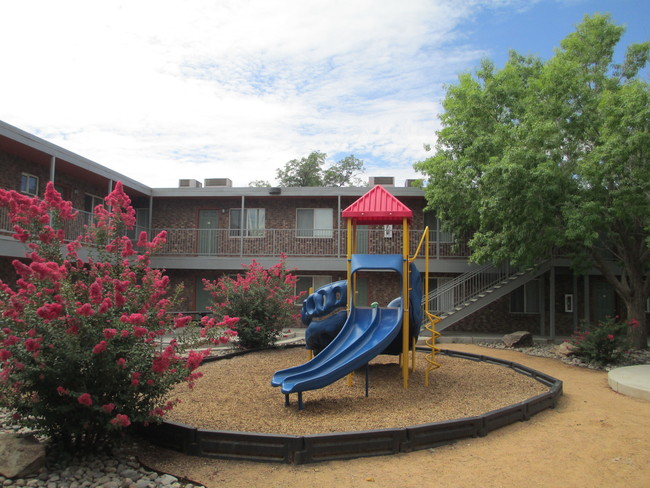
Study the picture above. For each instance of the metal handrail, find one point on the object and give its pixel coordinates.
(471, 285)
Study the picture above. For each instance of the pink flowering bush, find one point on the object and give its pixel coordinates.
(262, 299)
(602, 344)
(80, 330)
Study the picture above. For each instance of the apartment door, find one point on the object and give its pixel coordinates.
(203, 297)
(604, 301)
(207, 233)
(361, 292)
(363, 236)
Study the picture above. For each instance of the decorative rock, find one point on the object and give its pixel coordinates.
(166, 479)
(130, 473)
(565, 349)
(521, 338)
(20, 456)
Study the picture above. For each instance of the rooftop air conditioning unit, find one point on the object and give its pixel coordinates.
(412, 183)
(189, 184)
(382, 180)
(212, 182)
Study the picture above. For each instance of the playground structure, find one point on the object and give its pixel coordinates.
(365, 332)
(347, 340)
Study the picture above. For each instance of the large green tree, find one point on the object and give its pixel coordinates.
(310, 171)
(553, 154)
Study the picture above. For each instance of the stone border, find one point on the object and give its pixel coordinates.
(347, 445)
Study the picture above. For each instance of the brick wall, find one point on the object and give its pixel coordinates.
(74, 189)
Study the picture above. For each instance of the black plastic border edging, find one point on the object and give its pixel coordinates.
(347, 445)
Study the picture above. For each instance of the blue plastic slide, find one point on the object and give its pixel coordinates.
(366, 334)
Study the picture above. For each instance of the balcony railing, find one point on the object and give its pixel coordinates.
(271, 242)
(293, 242)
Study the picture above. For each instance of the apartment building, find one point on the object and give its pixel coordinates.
(213, 228)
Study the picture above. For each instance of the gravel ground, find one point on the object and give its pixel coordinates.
(242, 386)
(235, 394)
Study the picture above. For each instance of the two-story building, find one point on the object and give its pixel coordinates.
(213, 228)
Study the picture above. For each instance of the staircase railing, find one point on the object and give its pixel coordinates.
(469, 287)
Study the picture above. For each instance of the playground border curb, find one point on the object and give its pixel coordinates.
(293, 449)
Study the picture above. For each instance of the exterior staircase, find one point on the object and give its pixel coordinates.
(471, 291)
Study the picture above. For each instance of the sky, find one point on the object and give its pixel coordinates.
(162, 90)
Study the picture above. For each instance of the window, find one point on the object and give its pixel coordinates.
(432, 221)
(141, 224)
(90, 202)
(253, 225)
(304, 283)
(29, 184)
(525, 299)
(314, 222)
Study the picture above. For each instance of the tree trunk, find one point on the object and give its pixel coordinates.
(636, 317)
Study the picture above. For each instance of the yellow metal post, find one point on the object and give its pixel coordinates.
(405, 303)
(413, 345)
(432, 320)
(349, 265)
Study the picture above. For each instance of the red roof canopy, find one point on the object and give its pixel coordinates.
(378, 207)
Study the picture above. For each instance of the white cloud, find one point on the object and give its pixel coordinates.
(163, 90)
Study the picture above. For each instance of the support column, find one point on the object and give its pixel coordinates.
(542, 305)
(338, 227)
(52, 168)
(551, 305)
(242, 221)
(150, 219)
(586, 299)
(575, 301)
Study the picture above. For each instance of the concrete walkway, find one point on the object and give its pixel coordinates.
(632, 381)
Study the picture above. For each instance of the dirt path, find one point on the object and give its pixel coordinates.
(594, 438)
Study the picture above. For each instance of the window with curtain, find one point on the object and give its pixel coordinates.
(314, 222)
(29, 184)
(254, 222)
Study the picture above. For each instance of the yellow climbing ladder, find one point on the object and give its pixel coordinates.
(431, 319)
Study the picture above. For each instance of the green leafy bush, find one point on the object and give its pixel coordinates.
(604, 343)
(262, 299)
(80, 353)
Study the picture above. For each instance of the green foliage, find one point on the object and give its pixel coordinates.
(343, 172)
(603, 344)
(262, 299)
(309, 171)
(545, 155)
(259, 184)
